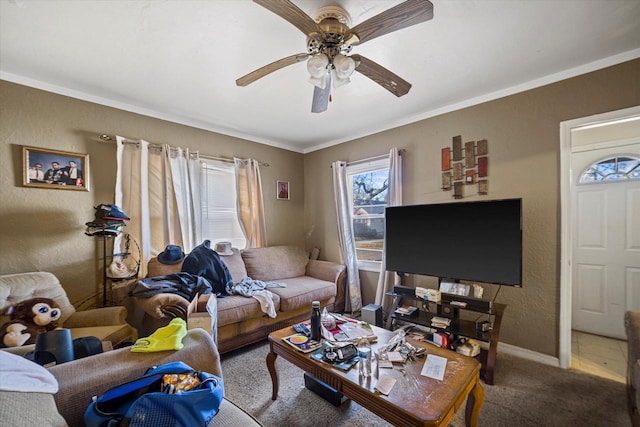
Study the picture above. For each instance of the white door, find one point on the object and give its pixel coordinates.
(606, 246)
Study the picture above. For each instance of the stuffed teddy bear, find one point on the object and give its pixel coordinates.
(28, 319)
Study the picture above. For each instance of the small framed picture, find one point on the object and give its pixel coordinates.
(282, 190)
(53, 169)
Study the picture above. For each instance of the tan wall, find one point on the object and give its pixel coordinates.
(523, 132)
(43, 229)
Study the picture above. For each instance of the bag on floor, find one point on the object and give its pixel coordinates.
(172, 394)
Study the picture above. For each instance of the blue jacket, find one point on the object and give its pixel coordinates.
(204, 261)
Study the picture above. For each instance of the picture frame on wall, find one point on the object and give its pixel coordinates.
(282, 190)
(55, 169)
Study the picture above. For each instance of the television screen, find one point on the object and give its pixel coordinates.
(478, 241)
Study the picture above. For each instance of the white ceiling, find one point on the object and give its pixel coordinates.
(178, 60)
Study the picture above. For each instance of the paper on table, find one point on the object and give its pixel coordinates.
(395, 356)
(434, 367)
(353, 330)
(385, 384)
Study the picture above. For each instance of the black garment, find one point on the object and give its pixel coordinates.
(204, 261)
(184, 284)
(66, 171)
(55, 175)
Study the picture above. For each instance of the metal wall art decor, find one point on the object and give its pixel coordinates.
(55, 169)
(463, 165)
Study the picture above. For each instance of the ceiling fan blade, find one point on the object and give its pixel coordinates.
(292, 13)
(270, 68)
(385, 78)
(321, 96)
(404, 15)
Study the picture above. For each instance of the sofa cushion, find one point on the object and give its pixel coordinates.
(155, 268)
(275, 262)
(236, 308)
(233, 262)
(303, 290)
(235, 265)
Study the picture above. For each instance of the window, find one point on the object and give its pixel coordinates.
(612, 169)
(369, 184)
(219, 204)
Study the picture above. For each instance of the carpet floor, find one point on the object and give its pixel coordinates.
(525, 394)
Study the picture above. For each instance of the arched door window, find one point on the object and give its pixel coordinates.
(612, 169)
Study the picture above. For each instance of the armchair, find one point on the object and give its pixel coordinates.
(78, 381)
(108, 324)
(632, 329)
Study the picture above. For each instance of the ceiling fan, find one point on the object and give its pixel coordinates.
(330, 40)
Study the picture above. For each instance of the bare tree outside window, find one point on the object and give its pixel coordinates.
(369, 203)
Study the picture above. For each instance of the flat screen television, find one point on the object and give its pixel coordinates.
(478, 241)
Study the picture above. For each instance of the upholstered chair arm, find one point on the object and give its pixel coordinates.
(324, 270)
(331, 272)
(81, 379)
(165, 305)
(107, 316)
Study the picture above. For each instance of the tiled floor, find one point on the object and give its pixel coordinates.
(602, 356)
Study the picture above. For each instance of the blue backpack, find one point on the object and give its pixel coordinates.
(147, 402)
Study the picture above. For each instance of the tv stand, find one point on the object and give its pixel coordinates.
(458, 328)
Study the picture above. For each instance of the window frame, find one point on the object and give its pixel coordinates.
(358, 169)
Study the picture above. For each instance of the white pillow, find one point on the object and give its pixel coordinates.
(20, 374)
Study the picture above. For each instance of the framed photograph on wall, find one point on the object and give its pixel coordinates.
(60, 170)
(282, 190)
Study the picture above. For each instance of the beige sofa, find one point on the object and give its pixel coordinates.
(240, 320)
(80, 380)
(108, 323)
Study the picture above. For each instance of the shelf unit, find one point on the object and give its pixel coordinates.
(107, 259)
(458, 328)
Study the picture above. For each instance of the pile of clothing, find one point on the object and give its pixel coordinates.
(203, 272)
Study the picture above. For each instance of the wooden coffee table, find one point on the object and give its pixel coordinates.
(415, 400)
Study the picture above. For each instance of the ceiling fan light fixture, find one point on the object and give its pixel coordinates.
(344, 66)
(337, 81)
(317, 67)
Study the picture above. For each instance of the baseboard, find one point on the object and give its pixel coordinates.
(524, 353)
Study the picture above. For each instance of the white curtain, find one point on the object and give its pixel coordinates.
(387, 279)
(250, 202)
(346, 240)
(159, 188)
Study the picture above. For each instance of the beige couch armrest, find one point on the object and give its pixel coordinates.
(324, 270)
(80, 380)
(107, 316)
(331, 272)
(162, 306)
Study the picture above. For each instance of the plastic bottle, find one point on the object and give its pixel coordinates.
(364, 351)
(315, 321)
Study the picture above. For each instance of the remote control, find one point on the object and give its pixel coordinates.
(302, 329)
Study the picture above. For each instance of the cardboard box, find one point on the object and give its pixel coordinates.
(432, 295)
(199, 318)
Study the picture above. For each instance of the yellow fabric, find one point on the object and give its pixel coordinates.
(166, 338)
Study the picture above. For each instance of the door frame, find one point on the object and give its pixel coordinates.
(566, 212)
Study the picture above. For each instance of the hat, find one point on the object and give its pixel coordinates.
(223, 248)
(165, 338)
(172, 254)
(110, 212)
